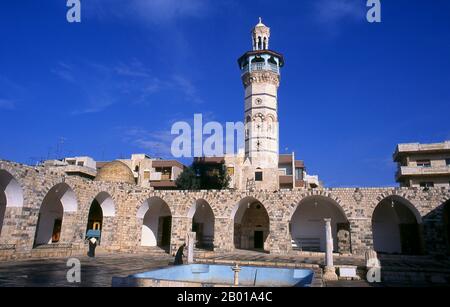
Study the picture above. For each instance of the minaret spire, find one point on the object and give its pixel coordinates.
(260, 73)
(260, 36)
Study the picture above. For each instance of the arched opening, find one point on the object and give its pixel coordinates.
(446, 217)
(258, 59)
(156, 223)
(59, 199)
(203, 224)
(251, 225)
(95, 218)
(99, 223)
(2, 209)
(307, 226)
(11, 194)
(396, 227)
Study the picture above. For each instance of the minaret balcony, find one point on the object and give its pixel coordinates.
(261, 66)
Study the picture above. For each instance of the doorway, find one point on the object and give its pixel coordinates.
(166, 230)
(259, 240)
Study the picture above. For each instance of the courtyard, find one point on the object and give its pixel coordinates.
(99, 271)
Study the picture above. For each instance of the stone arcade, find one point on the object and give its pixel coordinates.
(46, 212)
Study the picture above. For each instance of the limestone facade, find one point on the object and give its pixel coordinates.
(123, 223)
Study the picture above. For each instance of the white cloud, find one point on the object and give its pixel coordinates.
(187, 88)
(334, 11)
(64, 71)
(156, 143)
(149, 11)
(101, 86)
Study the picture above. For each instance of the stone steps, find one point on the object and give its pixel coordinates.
(153, 251)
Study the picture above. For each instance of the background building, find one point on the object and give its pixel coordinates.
(423, 165)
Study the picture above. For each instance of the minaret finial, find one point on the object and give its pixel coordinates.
(260, 19)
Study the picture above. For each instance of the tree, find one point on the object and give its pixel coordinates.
(204, 176)
(188, 180)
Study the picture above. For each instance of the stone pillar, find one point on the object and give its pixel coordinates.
(71, 231)
(236, 269)
(9, 230)
(223, 235)
(361, 235)
(190, 243)
(180, 227)
(330, 271)
(109, 240)
(280, 239)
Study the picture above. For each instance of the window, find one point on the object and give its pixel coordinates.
(230, 171)
(447, 161)
(80, 163)
(427, 184)
(423, 163)
(166, 173)
(259, 176)
(298, 174)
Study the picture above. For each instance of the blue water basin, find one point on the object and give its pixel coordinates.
(224, 275)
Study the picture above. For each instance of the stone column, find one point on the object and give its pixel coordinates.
(190, 243)
(330, 271)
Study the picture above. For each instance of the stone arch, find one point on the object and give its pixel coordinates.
(307, 224)
(155, 216)
(101, 217)
(11, 194)
(397, 226)
(58, 201)
(107, 204)
(203, 219)
(251, 229)
(271, 118)
(324, 195)
(259, 118)
(446, 223)
(12, 190)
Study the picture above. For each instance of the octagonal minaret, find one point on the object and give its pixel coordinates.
(260, 72)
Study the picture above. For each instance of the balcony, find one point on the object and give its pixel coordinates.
(80, 170)
(416, 148)
(406, 171)
(284, 180)
(262, 66)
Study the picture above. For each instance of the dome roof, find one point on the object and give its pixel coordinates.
(115, 171)
(260, 24)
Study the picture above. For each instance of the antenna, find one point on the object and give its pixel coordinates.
(59, 146)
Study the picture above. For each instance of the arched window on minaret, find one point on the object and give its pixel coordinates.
(265, 43)
(259, 43)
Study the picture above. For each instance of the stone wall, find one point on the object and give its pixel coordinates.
(122, 230)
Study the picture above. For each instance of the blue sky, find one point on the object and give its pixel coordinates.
(114, 84)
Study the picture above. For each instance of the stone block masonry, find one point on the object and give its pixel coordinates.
(127, 227)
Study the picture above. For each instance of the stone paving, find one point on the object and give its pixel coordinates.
(97, 272)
